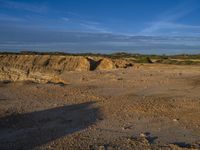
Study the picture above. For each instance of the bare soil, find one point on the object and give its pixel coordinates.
(142, 107)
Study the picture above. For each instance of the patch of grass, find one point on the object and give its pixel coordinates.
(144, 60)
(176, 62)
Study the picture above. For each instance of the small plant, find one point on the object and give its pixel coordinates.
(144, 60)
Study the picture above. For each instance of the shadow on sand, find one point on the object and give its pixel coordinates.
(31, 130)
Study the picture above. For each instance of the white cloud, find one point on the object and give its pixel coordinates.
(84, 23)
(65, 19)
(158, 27)
(92, 27)
(166, 23)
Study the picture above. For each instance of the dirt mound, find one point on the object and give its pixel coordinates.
(105, 64)
(120, 63)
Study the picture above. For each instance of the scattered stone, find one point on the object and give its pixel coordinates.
(101, 147)
(126, 127)
(175, 120)
(119, 78)
(143, 135)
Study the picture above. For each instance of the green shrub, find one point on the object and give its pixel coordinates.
(144, 60)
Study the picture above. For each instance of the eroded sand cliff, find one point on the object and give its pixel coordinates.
(48, 68)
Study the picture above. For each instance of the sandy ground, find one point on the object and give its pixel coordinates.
(142, 107)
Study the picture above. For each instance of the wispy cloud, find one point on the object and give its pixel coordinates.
(23, 6)
(92, 27)
(57, 18)
(65, 19)
(158, 28)
(4, 17)
(84, 23)
(166, 23)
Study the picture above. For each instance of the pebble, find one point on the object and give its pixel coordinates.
(126, 127)
(142, 135)
(175, 120)
(101, 147)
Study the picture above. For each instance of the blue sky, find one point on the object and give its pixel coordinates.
(108, 24)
